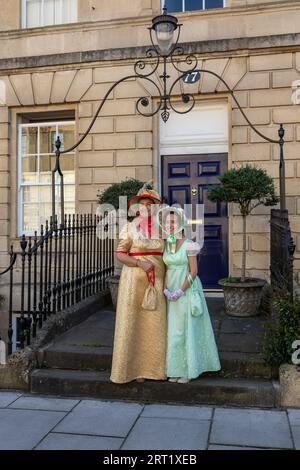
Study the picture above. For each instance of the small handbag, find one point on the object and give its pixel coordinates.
(150, 296)
(196, 301)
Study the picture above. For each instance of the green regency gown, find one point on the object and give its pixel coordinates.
(191, 346)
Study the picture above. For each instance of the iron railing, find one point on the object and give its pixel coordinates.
(282, 251)
(63, 265)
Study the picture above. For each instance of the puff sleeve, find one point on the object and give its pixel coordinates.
(192, 248)
(125, 240)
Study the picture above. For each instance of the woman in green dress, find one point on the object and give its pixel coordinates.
(191, 346)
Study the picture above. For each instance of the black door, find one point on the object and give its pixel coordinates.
(185, 180)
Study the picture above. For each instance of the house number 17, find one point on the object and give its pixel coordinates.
(192, 77)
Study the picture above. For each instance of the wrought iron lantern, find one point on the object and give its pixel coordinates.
(164, 27)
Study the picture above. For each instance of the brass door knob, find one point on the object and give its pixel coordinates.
(194, 191)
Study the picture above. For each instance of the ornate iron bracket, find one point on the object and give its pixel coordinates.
(165, 104)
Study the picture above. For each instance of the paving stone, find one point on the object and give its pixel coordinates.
(296, 436)
(178, 412)
(294, 416)
(101, 418)
(262, 428)
(42, 403)
(6, 398)
(216, 447)
(23, 429)
(56, 441)
(168, 434)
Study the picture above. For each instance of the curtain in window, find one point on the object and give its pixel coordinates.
(50, 12)
(69, 11)
(33, 13)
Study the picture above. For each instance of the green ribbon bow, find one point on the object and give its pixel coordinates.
(171, 243)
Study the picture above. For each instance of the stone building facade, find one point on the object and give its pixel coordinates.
(58, 73)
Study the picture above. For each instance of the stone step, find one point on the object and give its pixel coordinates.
(238, 364)
(75, 357)
(206, 390)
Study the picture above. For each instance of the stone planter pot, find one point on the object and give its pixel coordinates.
(113, 285)
(242, 299)
(289, 378)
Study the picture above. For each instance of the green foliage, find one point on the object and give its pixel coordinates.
(247, 186)
(111, 195)
(280, 335)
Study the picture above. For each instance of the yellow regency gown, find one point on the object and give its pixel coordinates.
(140, 335)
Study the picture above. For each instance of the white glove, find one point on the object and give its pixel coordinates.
(177, 294)
(167, 294)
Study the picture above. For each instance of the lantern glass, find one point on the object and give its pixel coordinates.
(164, 34)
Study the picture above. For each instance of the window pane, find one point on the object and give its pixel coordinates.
(30, 217)
(193, 5)
(49, 12)
(33, 13)
(69, 193)
(45, 194)
(213, 4)
(47, 139)
(47, 163)
(45, 213)
(174, 5)
(29, 140)
(67, 136)
(58, 11)
(36, 170)
(30, 194)
(53, 12)
(69, 11)
(29, 169)
(69, 209)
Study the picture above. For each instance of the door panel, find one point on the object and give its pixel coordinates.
(185, 180)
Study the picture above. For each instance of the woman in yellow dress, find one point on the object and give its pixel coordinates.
(139, 351)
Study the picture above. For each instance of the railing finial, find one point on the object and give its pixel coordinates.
(281, 132)
(58, 145)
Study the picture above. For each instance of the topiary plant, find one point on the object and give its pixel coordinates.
(110, 195)
(249, 187)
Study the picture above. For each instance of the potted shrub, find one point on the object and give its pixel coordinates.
(248, 187)
(111, 195)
